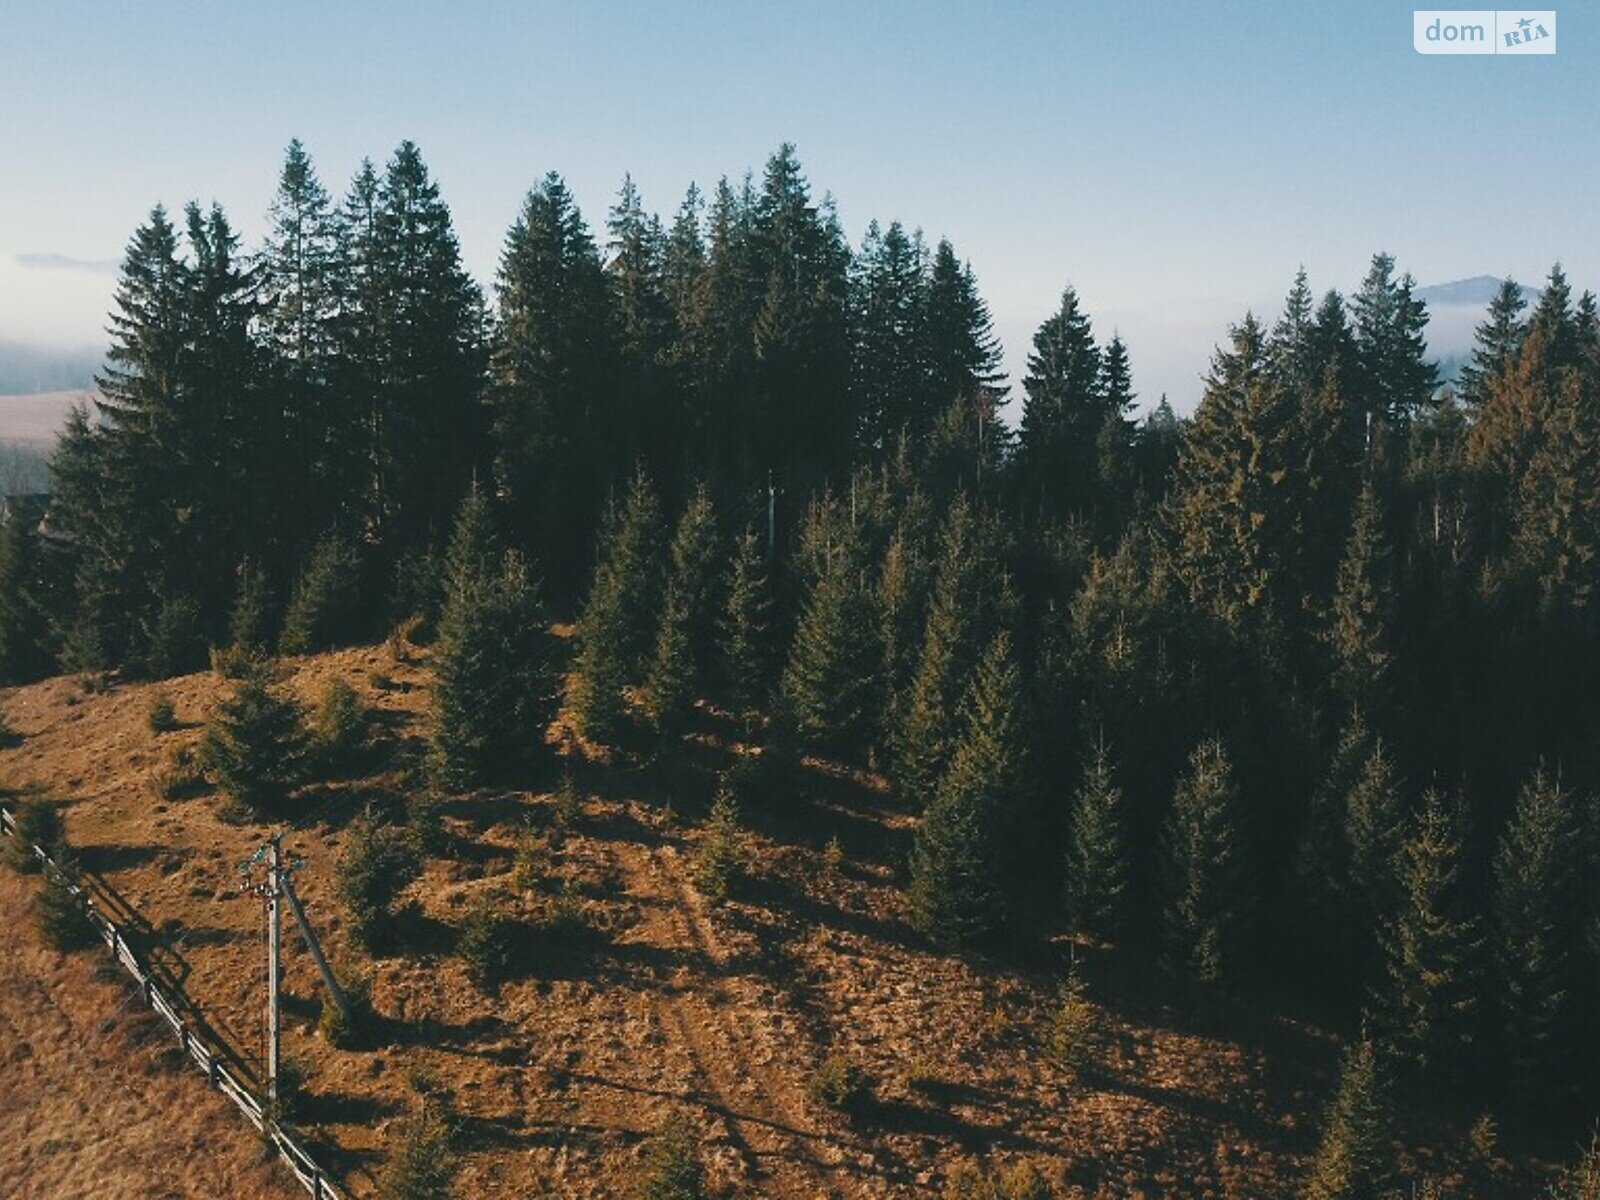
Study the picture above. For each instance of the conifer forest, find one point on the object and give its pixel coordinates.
(1280, 716)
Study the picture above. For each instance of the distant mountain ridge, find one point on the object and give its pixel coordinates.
(27, 370)
(1477, 292)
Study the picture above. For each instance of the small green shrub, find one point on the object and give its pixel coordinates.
(839, 1083)
(254, 748)
(1021, 1181)
(341, 727)
(567, 804)
(59, 916)
(832, 858)
(672, 1169)
(379, 862)
(352, 1032)
(161, 716)
(1582, 1181)
(38, 824)
(487, 944)
(562, 918)
(720, 856)
(425, 822)
(1074, 1026)
(180, 776)
(324, 608)
(424, 1162)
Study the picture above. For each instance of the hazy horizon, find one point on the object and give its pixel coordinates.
(1174, 168)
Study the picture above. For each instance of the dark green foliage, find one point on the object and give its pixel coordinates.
(615, 627)
(672, 1169)
(1070, 1040)
(379, 861)
(839, 1083)
(59, 916)
(956, 896)
(681, 663)
(1358, 625)
(1019, 1181)
(254, 748)
(424, 1161)
(719, 857)
(161, 717)
(1426, 1005)
(1207, 877)
(963, 614)
(493, 690)
(1582, 1180)
(746, 649)
(340, 727)
(555, 411)
(356, 1030)
(829, 679)
(1353, 1161)
(1061, 422)
(250, 622)
(38, 824)
(324, 609)
(1533, 932)
(1497, 340)
(669, 688)
(1097, 855)
(173, 644)
(487, 944)
(25, 637)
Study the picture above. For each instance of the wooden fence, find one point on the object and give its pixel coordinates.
(221, 1064)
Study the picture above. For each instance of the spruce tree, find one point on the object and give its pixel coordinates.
(1374, 838)
(1497, 339)
(301, 282)
(254, 748)
(1208, 884)
(1061, 420)
(615, 625)
(888, 288)
(1533, 904)
(1426, 1004)
(492, 674)
(549, 381)
(25, 638)
(966, 839)
(1097, 853)
(1353, 1161)
(1395, 377)
(745, 648)
(963, 356)
(961, 617)
(672, 680)
(425, 316)
(325, 607)
(829, 680)
(1358, 632)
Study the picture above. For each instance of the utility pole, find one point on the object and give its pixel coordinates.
(274, 969)
(278, 886)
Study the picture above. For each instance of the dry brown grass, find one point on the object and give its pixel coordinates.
(92, 1100)
(723, 1009)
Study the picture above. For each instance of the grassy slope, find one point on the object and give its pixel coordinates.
(726, 1009)
(91, 1106)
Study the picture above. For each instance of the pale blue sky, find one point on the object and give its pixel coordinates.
(1174, 161)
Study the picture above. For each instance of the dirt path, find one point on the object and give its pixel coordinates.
(713, 1012)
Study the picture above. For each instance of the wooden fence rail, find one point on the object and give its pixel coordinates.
(218, 1061)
